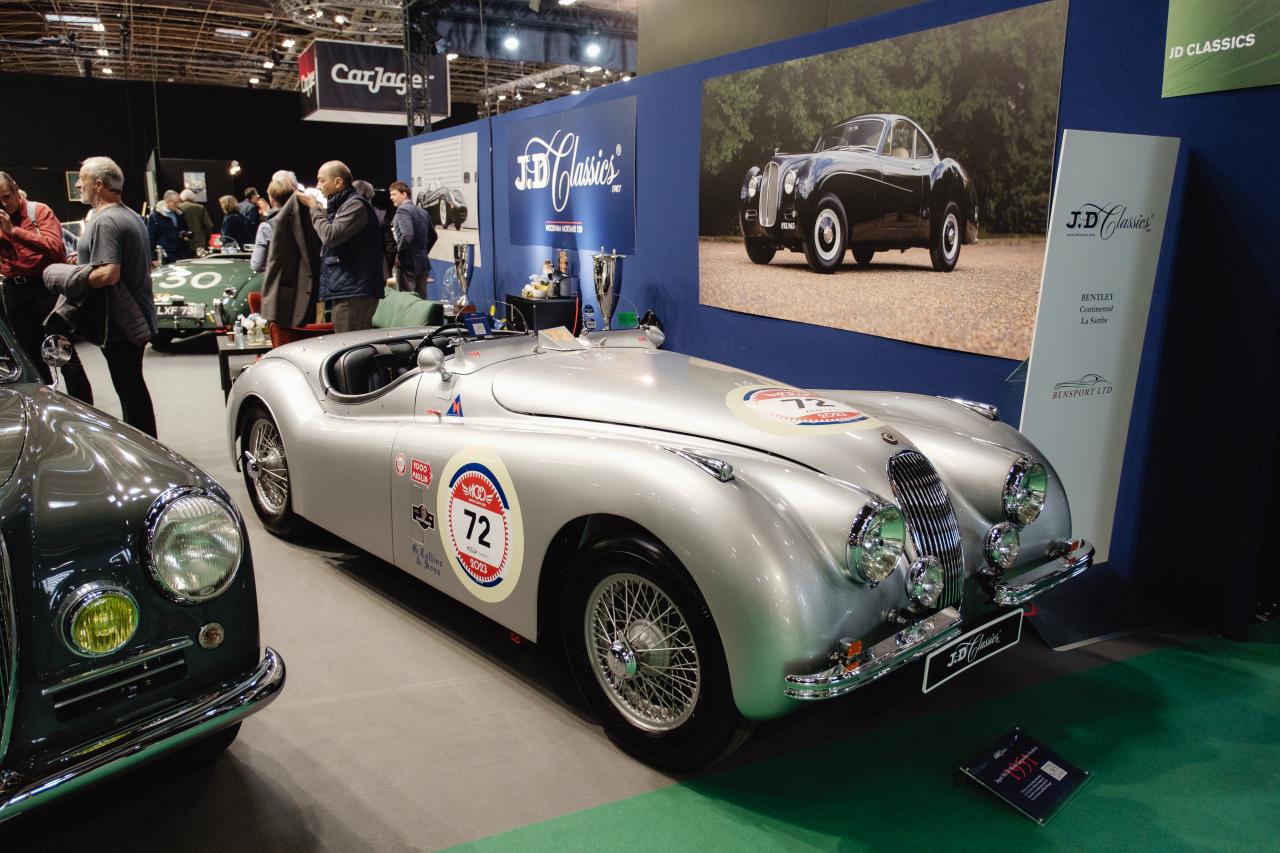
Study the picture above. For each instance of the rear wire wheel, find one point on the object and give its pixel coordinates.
(266, 473)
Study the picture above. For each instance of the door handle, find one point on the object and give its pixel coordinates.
(916, 167)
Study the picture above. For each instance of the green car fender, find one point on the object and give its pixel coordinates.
(202, 294)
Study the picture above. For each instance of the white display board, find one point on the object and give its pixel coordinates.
(451, 162)
(1110, 207)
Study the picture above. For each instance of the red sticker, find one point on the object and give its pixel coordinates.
(421, 472)
(400, 465)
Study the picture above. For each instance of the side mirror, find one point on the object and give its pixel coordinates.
(56, 351)
(655, 335)
(431, 360)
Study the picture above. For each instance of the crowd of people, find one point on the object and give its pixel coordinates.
(324, 245)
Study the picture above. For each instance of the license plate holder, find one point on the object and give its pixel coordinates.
(970, 648)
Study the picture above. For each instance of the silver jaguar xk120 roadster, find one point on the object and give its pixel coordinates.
(709, 547)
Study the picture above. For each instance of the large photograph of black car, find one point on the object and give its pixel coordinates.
(900, 188)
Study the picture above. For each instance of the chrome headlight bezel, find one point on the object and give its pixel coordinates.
(789, 181)
(151, 528)
(1026, 487)
(1001, 546)
(926, 581)
(80, 598)
(870, 556)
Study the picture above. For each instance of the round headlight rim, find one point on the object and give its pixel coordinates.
(150, 524)
(991, 541)
(857, 532)
(926, 564)
(789, 179)
(80, 598)
(1014, 481)
(753, 186)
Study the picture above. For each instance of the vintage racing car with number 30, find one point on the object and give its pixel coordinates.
(201, 294)
(708, 546)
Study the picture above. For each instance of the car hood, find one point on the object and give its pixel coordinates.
(13, 432)
(674, 393)
(201, 279)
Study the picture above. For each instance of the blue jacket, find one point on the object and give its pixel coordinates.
(351, 253)
(164, 230)
(414, 235)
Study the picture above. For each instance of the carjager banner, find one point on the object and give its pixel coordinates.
(364, 83)
(574, 178)
(1215, 45)
(1110, 207)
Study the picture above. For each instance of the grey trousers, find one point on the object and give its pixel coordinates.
(354, 314)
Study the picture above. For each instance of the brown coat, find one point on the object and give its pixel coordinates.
(292, 273)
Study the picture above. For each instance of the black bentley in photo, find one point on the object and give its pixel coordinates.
(444, 204)
(873, 183)
(128, 611)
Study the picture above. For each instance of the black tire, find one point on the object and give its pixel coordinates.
(760, 251)
(703, 723)
(948, 234)
(862, 257)
(828, 236)
(267, 478)
(163, 341)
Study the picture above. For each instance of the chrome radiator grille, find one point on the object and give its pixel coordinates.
(932, 521)
(8, 650)
(769, 195)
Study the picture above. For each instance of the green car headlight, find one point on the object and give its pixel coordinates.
(1024, 491)
(193, 545)
(876, 540)
(99, 619)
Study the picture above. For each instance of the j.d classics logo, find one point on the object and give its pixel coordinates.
(1089, 385)
(556, 163)
(1104, 220)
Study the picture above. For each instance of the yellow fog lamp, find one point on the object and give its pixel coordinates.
(99, 619)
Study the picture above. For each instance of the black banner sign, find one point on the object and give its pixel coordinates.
(365, 83)
(1026, 774)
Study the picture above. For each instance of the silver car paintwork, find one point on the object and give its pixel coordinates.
(588, 432)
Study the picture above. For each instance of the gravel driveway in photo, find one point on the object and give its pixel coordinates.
(986, 305)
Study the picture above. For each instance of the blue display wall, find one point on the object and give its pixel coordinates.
(1205, 416)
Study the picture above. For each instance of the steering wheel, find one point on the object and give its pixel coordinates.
(445, 337)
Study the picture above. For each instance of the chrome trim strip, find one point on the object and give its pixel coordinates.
(770, 182)
(717, 468)
(845, 676)
(8, 650)
(47, 777)
(1072, 558)
(987, 410)
(115, 684)
(68, 683)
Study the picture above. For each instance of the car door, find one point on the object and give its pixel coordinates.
(904, 177)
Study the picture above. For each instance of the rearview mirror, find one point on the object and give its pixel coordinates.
(431, 360)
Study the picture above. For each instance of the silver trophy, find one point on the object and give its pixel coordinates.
(464, 256)
(608, 278)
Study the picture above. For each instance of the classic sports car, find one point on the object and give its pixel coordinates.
(871, 184)
(201, 294)
(445, 205)
(128, 617)
(709, 546)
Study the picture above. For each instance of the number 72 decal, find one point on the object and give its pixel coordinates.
(481, 528)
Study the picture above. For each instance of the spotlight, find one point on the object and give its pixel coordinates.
(592, 70)
(575, 92)
(626, 78)
(501, 98)
(107, 70)
(512, 41)
(451, 56)
(288, 43)
(340, 20)
(268, 64)
(540, 85)
(102, 51)
(593, 49)
(567, 2)
(235, 164)
(253, 81)
(519, 97)
(99, 28)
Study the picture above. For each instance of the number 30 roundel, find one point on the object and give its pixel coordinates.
(481, 529)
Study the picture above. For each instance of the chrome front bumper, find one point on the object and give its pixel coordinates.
(849, 672)
(47, 777)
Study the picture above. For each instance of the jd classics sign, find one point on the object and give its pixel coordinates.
(573, 178)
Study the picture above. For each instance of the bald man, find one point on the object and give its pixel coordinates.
(351, 248)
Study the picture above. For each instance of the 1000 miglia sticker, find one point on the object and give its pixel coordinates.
(481, 530)
(791, 411)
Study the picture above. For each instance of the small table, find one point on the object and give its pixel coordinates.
(228, 350)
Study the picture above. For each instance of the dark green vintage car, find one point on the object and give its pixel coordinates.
(202, 294)
(128, 612)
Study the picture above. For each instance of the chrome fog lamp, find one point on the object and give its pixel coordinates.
(789, 181)
(875, 541)
(1024, 491)
(1001, 546)
(925, 581)
(193, 545)
(753, 186)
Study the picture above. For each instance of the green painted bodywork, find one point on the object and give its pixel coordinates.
(185, 293)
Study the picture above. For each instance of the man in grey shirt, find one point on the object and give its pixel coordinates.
(115, 244)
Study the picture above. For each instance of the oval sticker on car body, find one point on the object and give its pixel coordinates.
(791, 411)
(480, 523)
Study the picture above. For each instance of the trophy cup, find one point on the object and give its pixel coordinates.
(464, 255)
(608, 279)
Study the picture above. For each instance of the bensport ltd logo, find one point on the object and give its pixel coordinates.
(555, 163)
(1089, 385)
(1104, 220)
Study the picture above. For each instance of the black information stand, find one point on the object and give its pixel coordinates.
(1026, 774)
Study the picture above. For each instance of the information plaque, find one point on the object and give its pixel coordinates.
(1026, 774)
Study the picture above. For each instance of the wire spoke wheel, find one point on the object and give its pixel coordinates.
(272, 483)
(642, 652)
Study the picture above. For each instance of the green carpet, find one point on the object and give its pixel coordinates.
(1183, 743)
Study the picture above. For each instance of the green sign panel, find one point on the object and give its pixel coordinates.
(1214, 45)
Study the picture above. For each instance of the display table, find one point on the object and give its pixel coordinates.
(544, 313)
(228, 350)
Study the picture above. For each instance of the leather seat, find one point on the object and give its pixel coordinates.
(369, 368)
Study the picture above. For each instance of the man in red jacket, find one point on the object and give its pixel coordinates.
(30, 240)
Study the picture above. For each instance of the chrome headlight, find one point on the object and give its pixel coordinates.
(789, 181)
(193, 545)
(1024, 491)
(924, 581)
(99, 619)
(875, 541)
(753, 186)
(1002, 545)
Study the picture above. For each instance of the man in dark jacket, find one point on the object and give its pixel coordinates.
(165, 228)
(249, 208)
(196, 215)
(414, 236)
(351, 257)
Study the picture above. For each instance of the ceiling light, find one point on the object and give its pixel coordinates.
(576, 92)
(540, 85)
(626, 78)
(592, 70)
(318, 13)
(99, 28)
(107, 71)
(502, 97)
(253, 81)
(593, 49)
(268, 64)
(451, 56)
(288, 43)
(340, 20)
(102, 51)
(77, 20)
(168, 79)
(235, 164)
(232, 32)
(519, 97)
(511, 42)
(567, 2)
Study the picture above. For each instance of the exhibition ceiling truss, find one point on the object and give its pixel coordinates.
(242, 43)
